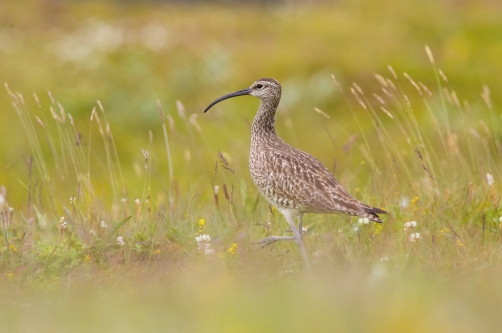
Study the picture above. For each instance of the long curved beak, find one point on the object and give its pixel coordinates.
(242, 92)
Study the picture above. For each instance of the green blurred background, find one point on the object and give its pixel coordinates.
(128, 54)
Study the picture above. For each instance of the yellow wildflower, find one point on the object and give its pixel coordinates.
(156, 251)
(233, 249)
(378, 229)
(87, 258)
(12, 248)
(202, 223)
(459, 243)
(414, 200)
(10, 276)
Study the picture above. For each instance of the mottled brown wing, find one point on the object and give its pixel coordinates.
(300, 178)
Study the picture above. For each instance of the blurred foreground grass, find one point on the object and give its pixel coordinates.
(97, 236)
(346, 299)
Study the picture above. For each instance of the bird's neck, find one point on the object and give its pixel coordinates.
(264, 121)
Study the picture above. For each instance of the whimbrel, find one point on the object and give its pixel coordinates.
(290, 179)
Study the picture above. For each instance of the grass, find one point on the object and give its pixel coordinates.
(102, 236)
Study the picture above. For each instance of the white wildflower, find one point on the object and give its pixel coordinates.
(415, 236)
(93, 232)
(103, 224)
(137, 201)
(203, 244)
(500, 218)
(364, 220)
(384, 258)
(120, 240)
(305, 229)
(11, 209)
(411, 224)
(73, 199)
(356, 229)
(202, 239)
(489, 179)
(62, 222)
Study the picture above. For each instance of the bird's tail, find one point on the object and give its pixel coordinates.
(371, 213)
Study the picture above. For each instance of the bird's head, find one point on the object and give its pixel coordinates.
(266, 89)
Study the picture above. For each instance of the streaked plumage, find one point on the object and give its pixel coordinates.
(290, 179)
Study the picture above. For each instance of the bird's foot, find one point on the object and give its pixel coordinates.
(272, 239)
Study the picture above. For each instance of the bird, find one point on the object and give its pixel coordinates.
(292, 180)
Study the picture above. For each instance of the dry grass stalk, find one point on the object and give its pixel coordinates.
(336, 83)
(443, 76)
(485, 95)
(37, 100)
(413, 83)
(387, 112)
(359, 90)
(40, 122)
(321, 112)
(424, 87)
(419, 154)
(181, 109)
(378, 98)
(381, 80)
(358, 99)
(224, 162)
(391, 70)
(193, 120)
(429, 54)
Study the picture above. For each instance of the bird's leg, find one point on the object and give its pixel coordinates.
(297, 237)
(300, 225)
(299, 240)
(272, 239)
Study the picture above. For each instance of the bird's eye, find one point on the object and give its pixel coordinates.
(259, 86)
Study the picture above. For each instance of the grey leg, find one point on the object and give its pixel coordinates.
(272, 239)
(299, 239)
(300, 225)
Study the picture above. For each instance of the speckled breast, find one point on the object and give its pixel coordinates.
(265, 182)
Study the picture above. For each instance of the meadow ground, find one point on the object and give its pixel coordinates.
(124, 208)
